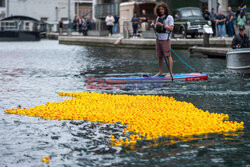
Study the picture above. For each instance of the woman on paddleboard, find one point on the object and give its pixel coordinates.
(163, 27)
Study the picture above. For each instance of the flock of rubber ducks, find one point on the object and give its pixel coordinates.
(147, 117)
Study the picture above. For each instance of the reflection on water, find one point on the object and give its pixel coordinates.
(33, 73)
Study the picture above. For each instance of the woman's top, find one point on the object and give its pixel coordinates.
(110, 20)
(167, 21)
(135, 20)
(241, 21)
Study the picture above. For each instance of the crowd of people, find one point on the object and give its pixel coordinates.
(79, 24)
(225, 24)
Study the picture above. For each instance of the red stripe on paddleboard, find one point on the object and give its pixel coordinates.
(197, 78)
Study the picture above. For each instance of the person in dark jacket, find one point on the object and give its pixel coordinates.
(116, 23)
(213, 21)
(238, 12)
(206, 14)
(241, 40)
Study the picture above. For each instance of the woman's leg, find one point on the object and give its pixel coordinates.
(160, 58)
(111, 27)
(136, 27)
(133, 30)
(166, 48)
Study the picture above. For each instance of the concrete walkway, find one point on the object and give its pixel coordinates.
(143, 43)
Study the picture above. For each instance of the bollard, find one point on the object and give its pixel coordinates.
(206, 33)
(205, 40)
(125, 33)
(125, 29)
(69, 32)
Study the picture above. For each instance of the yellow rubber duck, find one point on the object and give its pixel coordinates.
(125, 130)
(46, 159)
(121, 141)
(117, 143)
(133, 141)
(112, 139)
(126, 141)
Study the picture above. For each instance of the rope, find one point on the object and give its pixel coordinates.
(183, 61)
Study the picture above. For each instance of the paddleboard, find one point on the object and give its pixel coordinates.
(185, 77)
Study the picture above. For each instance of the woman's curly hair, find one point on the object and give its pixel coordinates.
(164, 5)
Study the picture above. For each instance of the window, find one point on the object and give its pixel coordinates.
(10, 25)
(27, 26)
(2, 3)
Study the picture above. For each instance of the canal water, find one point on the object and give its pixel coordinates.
(32, 73)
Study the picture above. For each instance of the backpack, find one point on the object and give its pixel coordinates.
(161, 29)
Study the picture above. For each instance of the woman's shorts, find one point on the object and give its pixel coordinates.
(163, 48)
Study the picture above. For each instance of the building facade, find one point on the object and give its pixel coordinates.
(46, 10)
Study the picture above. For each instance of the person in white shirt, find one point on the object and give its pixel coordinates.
(110, 23)
(163, 26)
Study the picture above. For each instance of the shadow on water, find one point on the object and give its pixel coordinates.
(32, 73)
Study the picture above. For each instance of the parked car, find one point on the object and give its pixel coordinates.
(189, 21)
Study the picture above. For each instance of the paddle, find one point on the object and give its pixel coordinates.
(166, 61)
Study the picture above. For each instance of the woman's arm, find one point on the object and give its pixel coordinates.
(169, 27)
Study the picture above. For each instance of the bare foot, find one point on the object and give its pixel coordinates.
(158, 74)
(168, 75)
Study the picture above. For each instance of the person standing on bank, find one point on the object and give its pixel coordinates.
(84, 27)
(220, 19)
(212, 19)
(163, 26)
(110, 23)
(230, 23)
(61, 26)
(144, 20)
(144, 16)
(206, 14)
(135, 21)
(238, 12)
(116, 22)
(80, 24)
(241, 20)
